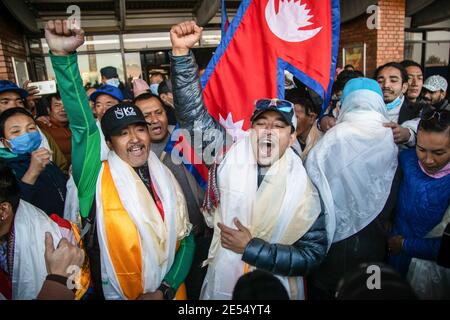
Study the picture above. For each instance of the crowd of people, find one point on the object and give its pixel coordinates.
(92, 206)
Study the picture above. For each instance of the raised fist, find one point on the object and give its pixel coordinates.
(63, 37)
(184, 36)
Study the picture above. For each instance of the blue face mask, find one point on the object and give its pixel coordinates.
(26, 143)
(113, 82)
(394, 104)
(154, 88)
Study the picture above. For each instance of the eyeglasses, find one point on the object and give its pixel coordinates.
(282, 105)
(442, 116)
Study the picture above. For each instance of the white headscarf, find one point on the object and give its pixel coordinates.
(354, 164)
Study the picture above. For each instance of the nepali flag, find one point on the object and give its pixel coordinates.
(225, 22)
(265, 38)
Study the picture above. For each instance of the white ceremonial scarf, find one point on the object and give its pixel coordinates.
(29, 270)
(281, 210)
(157, 237)
(354, 164)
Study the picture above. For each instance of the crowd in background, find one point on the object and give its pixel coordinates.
(365, 182)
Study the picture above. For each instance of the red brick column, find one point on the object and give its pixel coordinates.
(383, 44)
(391, 35)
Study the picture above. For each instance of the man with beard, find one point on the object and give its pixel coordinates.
(134, 213)
(435, 91)
(393, 80)
(265, 211)
(156, 115)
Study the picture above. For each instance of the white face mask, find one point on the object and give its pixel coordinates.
(115, 82)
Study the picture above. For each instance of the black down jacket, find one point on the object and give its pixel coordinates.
(297, 259)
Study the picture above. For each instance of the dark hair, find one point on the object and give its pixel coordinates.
(157, 73)
(344, 77)
(395, 65)
(349, 66)
(353, 286)
(410, 63)
(149, 95)
(435, 121)
(165, 87)
(259, 285)
(9, 113)
(146, 96)
(9, 188)
(298, 96)
(49, 98)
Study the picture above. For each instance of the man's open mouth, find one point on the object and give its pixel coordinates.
(136, 150)
(156, 130)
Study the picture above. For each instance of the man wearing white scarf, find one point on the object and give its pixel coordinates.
(265, 212)
(353, 167)
(135, 216)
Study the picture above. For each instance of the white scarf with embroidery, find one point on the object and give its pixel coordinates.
(281, 210)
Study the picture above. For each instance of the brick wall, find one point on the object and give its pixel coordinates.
(11, 43)
(355, 32)
(391, 35)
(382, 45)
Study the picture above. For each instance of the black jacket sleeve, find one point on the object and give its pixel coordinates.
(190, 110)
(293, 260)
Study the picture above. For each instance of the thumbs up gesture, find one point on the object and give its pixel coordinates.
(63, 37)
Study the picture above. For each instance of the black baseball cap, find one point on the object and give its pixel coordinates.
(119, 117)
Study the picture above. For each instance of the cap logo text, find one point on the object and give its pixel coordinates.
(122, 112)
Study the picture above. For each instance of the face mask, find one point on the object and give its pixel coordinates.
(395, 103)
(154, 88)
(26, 143)
(113, 82)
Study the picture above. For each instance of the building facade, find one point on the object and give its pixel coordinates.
(133, 35)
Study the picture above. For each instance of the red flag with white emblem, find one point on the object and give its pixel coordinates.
(265, 38)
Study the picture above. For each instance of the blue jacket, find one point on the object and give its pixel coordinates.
(49, 191)
(421, 205)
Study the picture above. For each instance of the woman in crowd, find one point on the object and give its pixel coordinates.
(41, 182)
(422, 208)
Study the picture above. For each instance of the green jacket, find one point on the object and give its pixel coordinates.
(86, 162)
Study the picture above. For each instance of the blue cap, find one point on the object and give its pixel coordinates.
(109, 90)
(6, 85)
(361, 84)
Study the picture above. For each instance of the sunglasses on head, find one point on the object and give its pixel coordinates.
(282, 105)
(442, 116)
